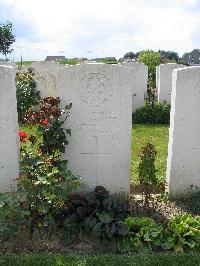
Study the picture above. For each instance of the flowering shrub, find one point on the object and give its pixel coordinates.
(45, 181)
(23, 135)
(27, 96)
(44, 175)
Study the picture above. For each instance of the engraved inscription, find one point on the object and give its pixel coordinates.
(96, 90)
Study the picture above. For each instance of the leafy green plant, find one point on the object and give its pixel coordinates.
(182, 233)
(96, 213)
(147, 171)
(13, 213)
(156, 114)
(143, 233)
(27, 95)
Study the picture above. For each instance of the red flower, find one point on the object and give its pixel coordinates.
(23, 135)
(45, 121)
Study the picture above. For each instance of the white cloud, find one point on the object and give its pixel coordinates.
(107, 27)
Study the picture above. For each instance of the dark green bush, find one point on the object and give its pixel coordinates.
(158, 114)
(96, 213)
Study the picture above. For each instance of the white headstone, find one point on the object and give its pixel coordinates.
(9, 140)
(157, 76)
(100, 120)
(183, 168)
(8, 63)
(45, 77)
(139, 86)
(164, 81)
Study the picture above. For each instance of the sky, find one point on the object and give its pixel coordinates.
(100, 28)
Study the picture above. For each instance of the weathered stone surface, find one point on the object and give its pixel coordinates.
(183, 167)
(139, 86)
(164, 81)
(8, 63)
(45, 77)
(157, 76)
(100, 120)
(9, 140)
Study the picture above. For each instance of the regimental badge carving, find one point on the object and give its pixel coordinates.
(96, 90)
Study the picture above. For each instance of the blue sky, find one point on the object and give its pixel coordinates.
(98, 28)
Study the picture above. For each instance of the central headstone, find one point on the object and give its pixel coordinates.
(100, 120)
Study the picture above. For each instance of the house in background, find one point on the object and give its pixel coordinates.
(55, 58)
(192, 58)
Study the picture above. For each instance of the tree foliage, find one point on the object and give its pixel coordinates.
(129, 55)
(6, 38)
(151, 59)
(170, 55)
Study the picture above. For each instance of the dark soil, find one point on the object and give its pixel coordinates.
(23, 243)
(164, 209)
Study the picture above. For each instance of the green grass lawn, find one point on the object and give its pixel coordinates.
(25, 63)
(158, 136)
(140, 259)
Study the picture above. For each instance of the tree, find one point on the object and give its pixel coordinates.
(129, 55)
(170, 55)
(150, 59)
(185, 59)
(6, 38)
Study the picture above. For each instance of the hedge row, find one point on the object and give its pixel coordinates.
(158, 114)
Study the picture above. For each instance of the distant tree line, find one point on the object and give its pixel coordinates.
(165, 56)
